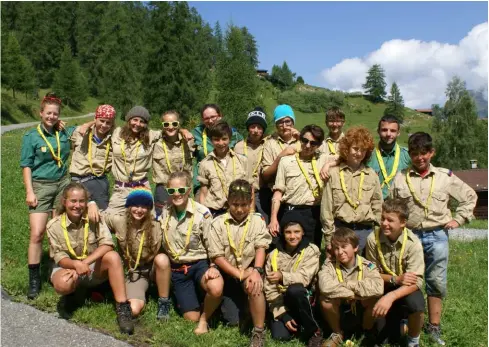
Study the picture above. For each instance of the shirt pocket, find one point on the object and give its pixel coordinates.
(367, 192)
(439, 203)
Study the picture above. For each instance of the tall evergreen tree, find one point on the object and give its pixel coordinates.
(375, 83)
(17, 71)
(251, 48)
(282, 76)
(395, 103)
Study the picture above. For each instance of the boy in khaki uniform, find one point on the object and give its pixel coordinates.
(237, 244)
(351, 280)
(219, 169)
(398, 254)
(335, 120)
(426, 191)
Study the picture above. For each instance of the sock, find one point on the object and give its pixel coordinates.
(34, 266)
(259, 330)
(164, 298)
(413, 340)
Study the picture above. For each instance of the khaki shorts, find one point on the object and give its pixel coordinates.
(48, 194)
(137, 283)
(87, 281)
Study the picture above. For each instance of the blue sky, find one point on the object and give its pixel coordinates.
(315, 36)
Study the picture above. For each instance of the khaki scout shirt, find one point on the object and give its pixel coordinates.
(176, 234)
(80, 164)
(291, 181)
(273, 146)
(412, 258)
(208, 176)
(143, 157)
(256, 237)
(446, 185)
(132, 240)
(253, 154)
(306, 269)
(98, 235)
(324, 149)
(176, 156)
(335, 206)
(371, 284)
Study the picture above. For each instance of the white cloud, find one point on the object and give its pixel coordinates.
(421, 69)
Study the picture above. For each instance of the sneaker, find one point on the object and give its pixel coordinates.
(257, 337)
(124, 317)
(334, 340)
(434, 333)
(34, 283)
(316, 340)
(163, 312)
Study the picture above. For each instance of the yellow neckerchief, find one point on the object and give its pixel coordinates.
(204, 141)
(107, 150)
(359, 278)
(415, 197)
(331, 146)
(223, 186)
(175, 254)
(315, 192)
(281, 288)
(165, 149)
(260, 157)
(68, 244)
(123, 144)
(58, 157)
(238, 252)
(138, 257)
(397, 155)
(345, 191)
(381, 255)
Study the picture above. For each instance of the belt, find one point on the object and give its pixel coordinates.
(82, 179)
(183, 267)
(423, 230)
(298, 207)
(353, 226)
(131, 184)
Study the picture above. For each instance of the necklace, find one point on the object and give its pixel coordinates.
(138, 257)
(68, 243)
(107, 150)
(260, 156)
(165, 149)
(238, 252)
(175, 254)
(331, 146)
(282, 288)
(315, 191)
(416, 198)
(343, 188)
(223, 186)
(381, 255)
(388, 178)
(57, 158)
(123, 144)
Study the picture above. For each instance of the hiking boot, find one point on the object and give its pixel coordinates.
(163, 312)
(334, 340)
(124, 317)
(67, 305)
(434, 333)
(316, 340)
(257, 337)
(34, 283)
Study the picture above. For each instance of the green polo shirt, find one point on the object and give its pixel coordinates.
(36, 154)
(199, 151)
(388, 158)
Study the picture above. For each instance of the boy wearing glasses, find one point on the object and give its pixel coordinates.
(172, 153)
(335, 119)
(219, 169)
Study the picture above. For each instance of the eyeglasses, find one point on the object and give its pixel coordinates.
(313, 143)
(284, 122)
(181, 190)
(240, 188)
(212, 117)
(173, 124)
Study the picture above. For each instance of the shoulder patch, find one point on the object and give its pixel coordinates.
(370, 266)
(259, 215)
(447, 171)
(207, 214)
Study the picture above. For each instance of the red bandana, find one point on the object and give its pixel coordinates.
(105, 111)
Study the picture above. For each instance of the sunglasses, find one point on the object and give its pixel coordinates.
(181, 190)
(313, 143)
(173, 124)
(240, 189)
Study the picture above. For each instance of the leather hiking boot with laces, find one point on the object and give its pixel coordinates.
(434, 333)
(163, 312)
(257, 337)
(34, 283)
(315, 340)
(124, 317)
(334, 340)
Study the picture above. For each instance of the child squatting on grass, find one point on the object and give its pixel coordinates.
(237, 243)
(84, 255)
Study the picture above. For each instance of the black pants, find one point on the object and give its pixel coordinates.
(98, 187)
(299, 308)
(161, 198)
(263, 202)
(310, 218)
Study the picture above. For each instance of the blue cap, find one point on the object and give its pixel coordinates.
(282, 111)
(140, 196)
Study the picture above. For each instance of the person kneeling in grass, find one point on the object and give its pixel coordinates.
(398, 253)
(84, 254)
(290, 270)
(237, 244)
(139, 242)
(352, 281)
(185, 224)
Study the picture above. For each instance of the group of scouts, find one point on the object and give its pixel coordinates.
(236, 225)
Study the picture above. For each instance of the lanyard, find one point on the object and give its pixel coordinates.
(282, 288)
(68, 244)
(343, 188)
(123, 143)
(107, 150)
(260, 157)
(359, 278)
(58, 157)
(416, 198)
(138, 258)
(315, 191)
(166, 154)
(381, 255)
(219, 175)
(177, 255)
(204, 141)
(332, 150)
(388, 178)
(238, 252)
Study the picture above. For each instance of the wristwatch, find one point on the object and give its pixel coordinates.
(393, 280)
(260, 270)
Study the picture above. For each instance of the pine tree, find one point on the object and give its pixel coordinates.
(375, 84)
(282, 76)
(251, 48)
(300, 80)
(395, 103)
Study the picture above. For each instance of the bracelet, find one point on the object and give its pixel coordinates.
(215, 266)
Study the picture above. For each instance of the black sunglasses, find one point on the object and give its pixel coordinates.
(313, 143)
(181, 190)
(173, 124)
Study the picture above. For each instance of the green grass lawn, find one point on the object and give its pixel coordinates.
(464, 317)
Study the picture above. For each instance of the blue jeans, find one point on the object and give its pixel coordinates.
(435, 249)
